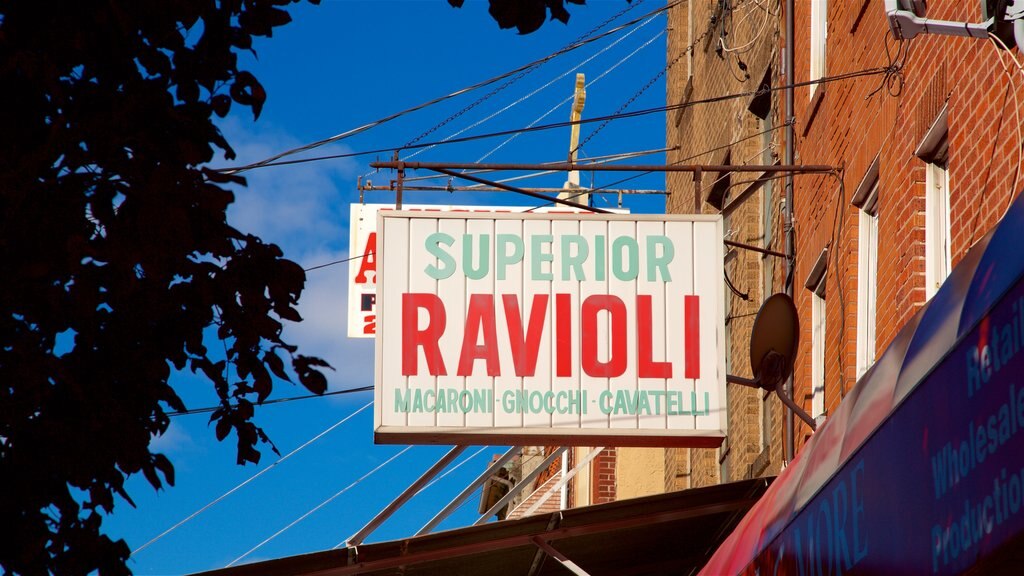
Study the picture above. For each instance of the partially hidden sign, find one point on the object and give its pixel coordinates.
(564, 328)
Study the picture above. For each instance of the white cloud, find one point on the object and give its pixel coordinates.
(300, 207)
(304, 208)
(323, 330)
(174, 440)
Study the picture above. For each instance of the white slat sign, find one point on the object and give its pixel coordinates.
(562, 329)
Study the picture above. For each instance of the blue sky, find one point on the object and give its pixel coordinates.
(337, 66)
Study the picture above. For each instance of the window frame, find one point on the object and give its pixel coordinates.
(934, 151)
(817, 59)
(816, 284)
(866, 200)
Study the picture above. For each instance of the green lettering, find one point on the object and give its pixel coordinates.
(574, 261)
(504, 258)
(657, 263)
(401, 400)
(433, 245)
(539, 256)
(484, 256)
(625, 267)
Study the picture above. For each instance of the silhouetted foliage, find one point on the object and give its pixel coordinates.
(526, 15)
(117, 263)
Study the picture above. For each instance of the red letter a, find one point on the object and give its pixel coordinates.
(524, 350)
(480, 318)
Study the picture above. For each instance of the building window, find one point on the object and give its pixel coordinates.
(936, 207)
(817, 354)
(819, 36)
(816, 284)
(934, 150)
(866, 198)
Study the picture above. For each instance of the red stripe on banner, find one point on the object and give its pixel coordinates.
(691, 336)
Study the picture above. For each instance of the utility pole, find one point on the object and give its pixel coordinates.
(573, 183)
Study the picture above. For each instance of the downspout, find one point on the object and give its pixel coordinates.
(788, 209)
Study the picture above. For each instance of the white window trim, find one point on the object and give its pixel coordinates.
(818, 314)
(819, 39)
(816, 284)
(867, 290)
(933, 149)
(938, 258)
(866, 199)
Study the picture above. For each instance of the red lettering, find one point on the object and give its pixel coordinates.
(646, 367)
(480, 318)
(616, 364)
(563, 335)
(524, 349)
(370, 324)
(413, 337)
(369, 260)
(691, 336)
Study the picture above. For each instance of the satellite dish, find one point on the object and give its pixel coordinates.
(774, 340)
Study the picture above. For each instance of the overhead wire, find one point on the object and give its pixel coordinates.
(432, 482)
(688, 50)
(630, 6)
(209, 409)
(619, 116)
(757, 36)
(676, 163)
(584, 162)
(572, 97)
(250, 479)
(354, 131)
(994, 39)
(318, 507)
(535, 92)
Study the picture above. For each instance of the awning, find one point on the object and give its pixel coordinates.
(920, 467)
(672, 533)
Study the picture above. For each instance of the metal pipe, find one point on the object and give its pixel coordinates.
(404, 497)
(559, 557)
(742, 246)
(478, 188)
(789, 402)
(553, 199)
(524, 480)
(466, 548)
(564, 480)
(584, 162)
(445, 167)
(468, 491)
(788, 214)
(697, 192)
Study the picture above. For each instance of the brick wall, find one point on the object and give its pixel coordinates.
(850, 124)
(727, 132)
(603, 484)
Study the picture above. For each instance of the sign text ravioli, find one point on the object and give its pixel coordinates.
(554, 323)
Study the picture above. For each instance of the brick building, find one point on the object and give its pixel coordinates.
(926, 162)
(717, 49)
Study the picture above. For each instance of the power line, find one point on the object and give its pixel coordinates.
(654, 79)
(319, 506)
(541, 88)
(518, 77)
(251, 478)
(279, 400)
(557, 125)
(272, 161)
(594, 190)
(588, 85)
